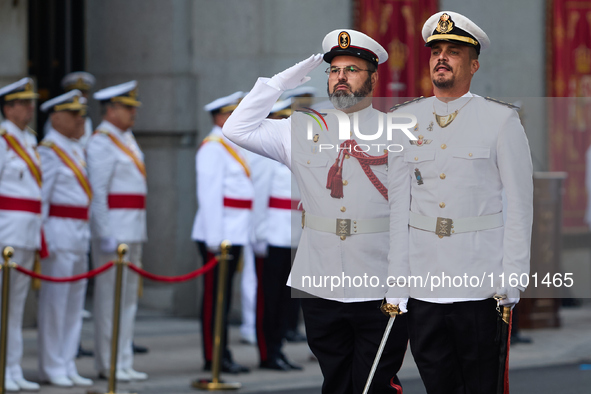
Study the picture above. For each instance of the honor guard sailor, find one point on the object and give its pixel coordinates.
(275, 201)
(345, 226)
(20, 211)
(450, 220)
(224, 199)
(118, 215)
(66, 200)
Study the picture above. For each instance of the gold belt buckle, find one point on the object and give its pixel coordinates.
(443, 227)
(343, 228)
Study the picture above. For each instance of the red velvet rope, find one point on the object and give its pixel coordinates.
(74, 278)
(181, 278)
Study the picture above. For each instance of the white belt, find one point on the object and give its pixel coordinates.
(444, 227)
(345, 227)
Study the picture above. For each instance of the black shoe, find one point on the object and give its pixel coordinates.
(294, 336)
(83, 352)
(138, 349)
(515, 339)
(292, 365)
(275, 364)
(228, 366)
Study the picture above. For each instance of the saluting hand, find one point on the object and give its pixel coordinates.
(296, 75)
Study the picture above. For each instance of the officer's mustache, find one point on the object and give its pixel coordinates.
(442, 64)
(334, 88)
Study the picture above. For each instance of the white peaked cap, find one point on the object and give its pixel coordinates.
(348, 42)
(225, 104)
(454, 27)
(74, 98)
(78, 80)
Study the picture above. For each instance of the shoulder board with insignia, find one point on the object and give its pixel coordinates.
(46, 143)
(30, 130)
(2, 131)
(394, 108)
(502, 103)
(101, 131)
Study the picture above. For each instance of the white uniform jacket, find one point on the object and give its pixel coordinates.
(321, 254)
(276, 217)
(463, 169)
(115, 177)
(224, 194)
(588, 185)
(19, 228)
(61, 188)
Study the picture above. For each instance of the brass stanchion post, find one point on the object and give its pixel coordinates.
(121, 251)
(7, 254)
(215, 383)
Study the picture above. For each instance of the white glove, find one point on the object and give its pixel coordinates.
(108, 245)
(215, 250)
(296, 75)
(511, 296)
(401, 302)
(260, 248)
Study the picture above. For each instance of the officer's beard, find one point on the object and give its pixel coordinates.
(342, 99)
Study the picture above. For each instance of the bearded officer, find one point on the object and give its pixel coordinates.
(118, 215)
(20, 211)
(224, 198)
(66, 199)
(468, 150)
(345, 230)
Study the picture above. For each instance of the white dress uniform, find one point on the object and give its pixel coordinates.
(20, 227)
(117, 212)
(588, 185)
(223, 219)
(224, 196)
(356, 254)
(464, 168)
(66, 205)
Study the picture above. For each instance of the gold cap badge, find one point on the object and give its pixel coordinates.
(445, 24)
(344, 40)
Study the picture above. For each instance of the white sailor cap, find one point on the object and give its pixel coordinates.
(350, 42)
(71, 101)
(454, 27)
(23, 90)
(302, 91)
(125, 93)
(225, 104)
(80, 80)
(281, 109)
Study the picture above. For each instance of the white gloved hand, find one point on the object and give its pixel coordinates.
(260, 248)
(512, 296)
(401, 302)
(215, 250)
(296, 75)
(108, 245)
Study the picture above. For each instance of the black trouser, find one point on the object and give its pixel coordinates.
(208, 301)
(345, 338)
(273, 297)
(455, 345)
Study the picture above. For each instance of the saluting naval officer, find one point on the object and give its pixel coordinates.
(275, 200)
(20, 211)
(66, 200)
(446, 214)
(118, 215)
(345, 233)
(224, 199)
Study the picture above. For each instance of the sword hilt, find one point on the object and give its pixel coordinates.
(390, 310)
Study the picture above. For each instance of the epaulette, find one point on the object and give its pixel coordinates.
(47, 144)
(30, 130)
(394, 108)
(2, 132)
(502, 103)
(101, 131)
